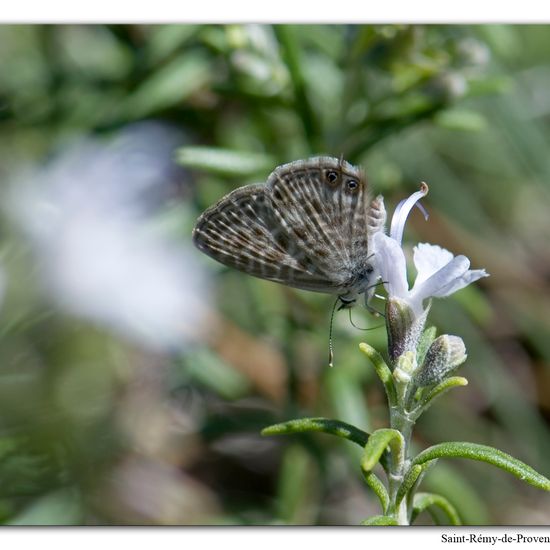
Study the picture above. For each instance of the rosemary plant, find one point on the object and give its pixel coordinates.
(419, 368)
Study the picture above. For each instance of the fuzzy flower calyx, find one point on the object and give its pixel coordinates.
(446, 354)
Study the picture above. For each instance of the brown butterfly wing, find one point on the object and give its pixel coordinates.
(241, 231)
(321, 205)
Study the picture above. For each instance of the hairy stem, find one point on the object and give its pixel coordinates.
(402, 421)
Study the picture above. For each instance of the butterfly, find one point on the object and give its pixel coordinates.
(310, 226)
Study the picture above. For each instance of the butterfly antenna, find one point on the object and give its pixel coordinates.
(330, 348)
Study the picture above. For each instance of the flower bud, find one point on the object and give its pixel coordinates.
(405, 368)
(404, 327)
(444, 355)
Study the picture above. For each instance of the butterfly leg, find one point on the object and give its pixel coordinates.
(369, 294)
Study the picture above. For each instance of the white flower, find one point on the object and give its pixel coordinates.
(439, 273)
(92, 218)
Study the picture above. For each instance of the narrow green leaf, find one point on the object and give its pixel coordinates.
(164, 40)
(298, 487)
(483, 453)
(224, 161)
(292, 54)
(170, 85)
(325, 425)
(461, 119)
(209, 369)
(374, 482)
(347, 396)
(410, 479)
(382, 370)
(376, 445)
(423, 501)
(380, 520)
(441, 388)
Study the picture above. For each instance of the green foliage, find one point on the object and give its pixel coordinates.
(382, 370)
(379, 520)
(378, 487)
(390, 447)
(334, 427)
(474, 451)
(427, 501)
(376, 445)
(225, 162)
(426, 398)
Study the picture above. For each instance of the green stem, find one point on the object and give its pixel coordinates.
(403, 422)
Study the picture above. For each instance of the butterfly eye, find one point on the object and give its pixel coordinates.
(352, 185)
(369, 269)
(332, 176)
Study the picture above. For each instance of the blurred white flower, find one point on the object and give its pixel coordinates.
(90, 214)
(439, 273)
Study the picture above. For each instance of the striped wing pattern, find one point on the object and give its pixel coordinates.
(306, 227)
(326, 220)
(239, 232)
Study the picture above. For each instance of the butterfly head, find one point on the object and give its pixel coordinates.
(364, 281)
(346, 302)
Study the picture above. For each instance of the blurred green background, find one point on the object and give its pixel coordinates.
(107, 415)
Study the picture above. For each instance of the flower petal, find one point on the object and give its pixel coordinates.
(469, 277)
(402, 211)
(392, 265)
(429, 258)
(443, 281)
